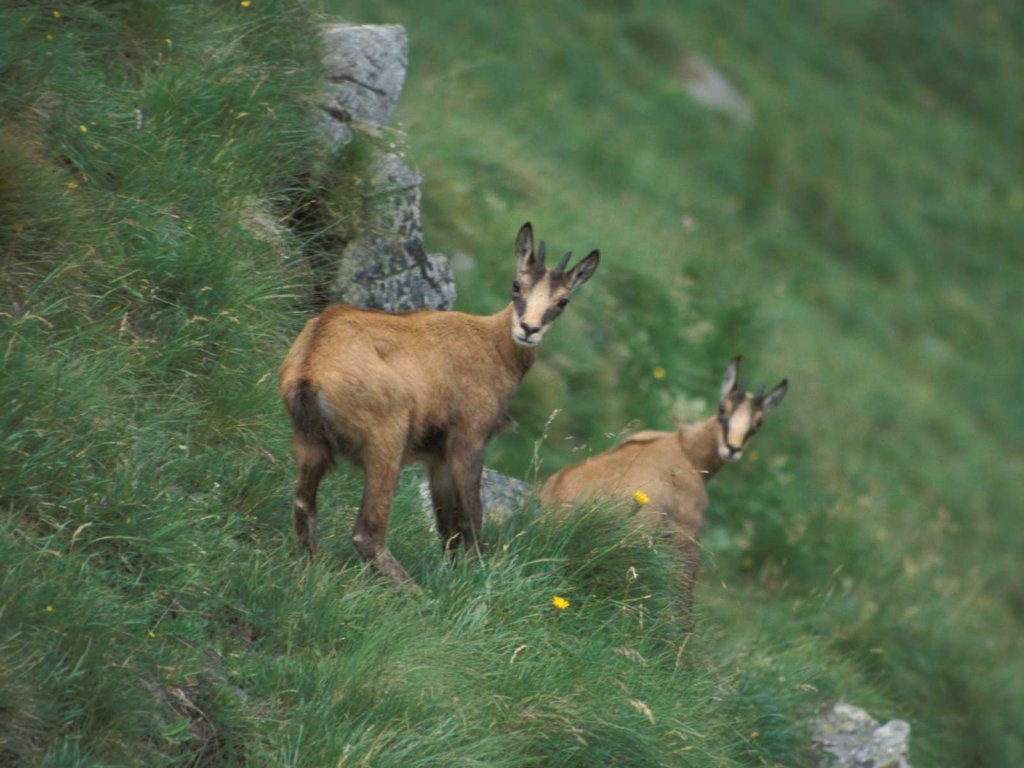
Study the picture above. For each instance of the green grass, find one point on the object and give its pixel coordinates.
(861, 237)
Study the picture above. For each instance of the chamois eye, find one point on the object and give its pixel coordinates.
(562, 302)
(517, 287)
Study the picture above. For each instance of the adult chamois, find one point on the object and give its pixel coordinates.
(666, 471)
(385, 389)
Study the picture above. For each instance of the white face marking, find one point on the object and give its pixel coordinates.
(738, 425)
(538, 296)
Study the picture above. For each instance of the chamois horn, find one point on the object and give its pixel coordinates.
(557, 271)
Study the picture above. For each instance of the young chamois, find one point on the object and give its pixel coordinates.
(386, 389)
(667, 471)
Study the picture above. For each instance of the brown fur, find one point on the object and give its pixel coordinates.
(671, 468)
(386, 389)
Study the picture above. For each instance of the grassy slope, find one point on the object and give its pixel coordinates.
(858, 237)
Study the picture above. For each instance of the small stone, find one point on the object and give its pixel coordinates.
(502, 496)
(853, 739)
(707, 86)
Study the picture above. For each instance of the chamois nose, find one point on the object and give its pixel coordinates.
(529, 330)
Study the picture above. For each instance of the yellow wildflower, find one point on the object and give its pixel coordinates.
(83, 128)
(56, 14)
(49, 609)
(72, 184)
(658, 372)
(641, 498)
(152, 633)
(559, 602)
(246, 3)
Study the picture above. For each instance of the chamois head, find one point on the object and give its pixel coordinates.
(540, 294)
(740, 413)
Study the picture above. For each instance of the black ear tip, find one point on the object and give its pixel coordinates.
(784, 383)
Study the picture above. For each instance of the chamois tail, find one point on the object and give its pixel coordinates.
(305, 411)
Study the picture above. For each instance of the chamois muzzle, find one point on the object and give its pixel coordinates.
(527, 333)
(730, 453)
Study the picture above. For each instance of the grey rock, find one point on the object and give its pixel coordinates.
(394, 202)
(502, 496)
(853, 739)
(386, 266)
(395, 275)
(707, 86)
(365, 67)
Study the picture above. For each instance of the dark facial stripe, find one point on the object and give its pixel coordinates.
(550, 314)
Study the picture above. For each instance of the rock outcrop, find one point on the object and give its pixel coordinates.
(386, 266)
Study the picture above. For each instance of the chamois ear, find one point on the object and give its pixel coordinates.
(583, 271)
(524, 247)
(774, 397)
(729, 378)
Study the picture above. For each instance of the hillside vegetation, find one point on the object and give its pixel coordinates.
(861, 235)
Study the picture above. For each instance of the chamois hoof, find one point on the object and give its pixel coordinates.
(307, 553)
(385, 566)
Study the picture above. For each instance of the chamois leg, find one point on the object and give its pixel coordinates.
(688, 579)
(371, 529)
(467, 469)
(445, 499)
(312, 463)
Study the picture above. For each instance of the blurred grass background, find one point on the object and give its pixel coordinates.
(861, 235)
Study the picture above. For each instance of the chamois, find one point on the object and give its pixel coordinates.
(667, 471)
(385, 389)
